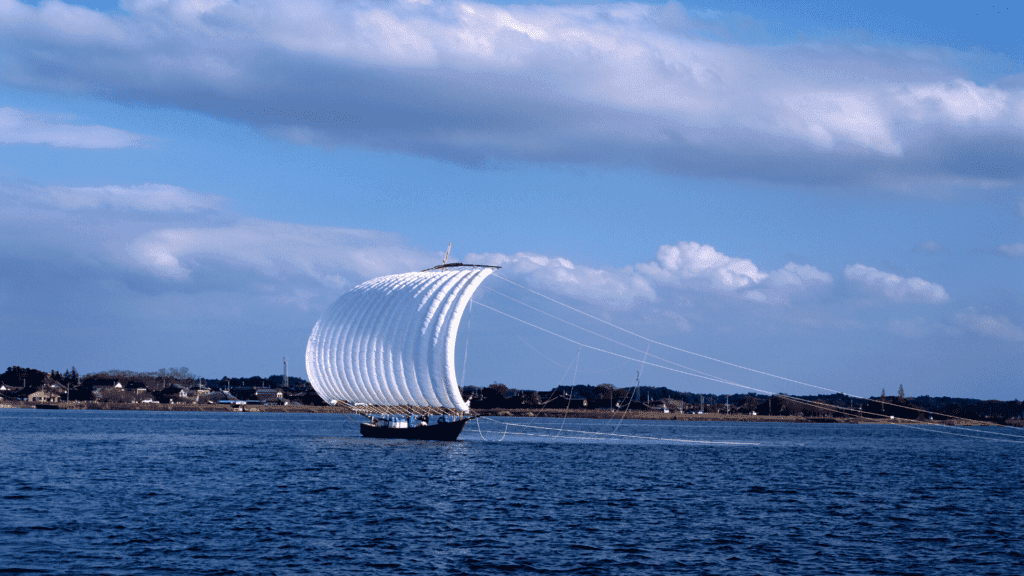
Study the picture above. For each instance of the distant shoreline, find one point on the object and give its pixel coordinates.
(501, 412)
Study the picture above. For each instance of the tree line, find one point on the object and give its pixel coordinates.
(17, 382)
(160, 385)
(586, 396)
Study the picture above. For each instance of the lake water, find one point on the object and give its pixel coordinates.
(98, 492)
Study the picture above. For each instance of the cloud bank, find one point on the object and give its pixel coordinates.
(474, 83)
(182, 240)
(172, 239)
(95, 264)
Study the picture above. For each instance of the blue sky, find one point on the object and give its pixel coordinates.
(831, 194)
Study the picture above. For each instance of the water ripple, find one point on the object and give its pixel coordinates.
(180, 493)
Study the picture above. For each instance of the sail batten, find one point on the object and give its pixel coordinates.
(391, 341)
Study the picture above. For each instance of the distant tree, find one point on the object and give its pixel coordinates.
(901, 392)
(496, 389)
(749, 403)
(180, 373)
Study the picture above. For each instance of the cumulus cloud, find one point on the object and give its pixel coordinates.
(786, 283)
(686, 266)
(1015, 250)
(620, 288)
(475, 83)
(696, 265)
(799, 277)
(20, 127)
(894, 287)
(996, 326)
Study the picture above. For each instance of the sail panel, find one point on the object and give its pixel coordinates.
(391, 341)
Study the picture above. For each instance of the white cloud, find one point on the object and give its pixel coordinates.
(620, 288)
(1015, 250)
(687, 266)
(187, 241)
(957, 101)
(788, 282)
(475, 83)
(20, 127)
(700, 266)
(26, 200)
(799, 277)
(996, 326)
(276, 250)
(146, 197)
(894, 287)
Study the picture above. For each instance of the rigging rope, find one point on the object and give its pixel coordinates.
(595, 348)
(599, 335)
(572, 388)
(636, 387)
(539, 353)
(664, 364)
(652, 341)
(693, 372)
(611, 434)
(465, 355)
(900, 420)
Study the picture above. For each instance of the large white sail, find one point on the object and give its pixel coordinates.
(391, 341)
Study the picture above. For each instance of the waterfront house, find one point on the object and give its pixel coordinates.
(269, 395)
(122, 395)
(10, 392)
(197, 394)
(45, 393)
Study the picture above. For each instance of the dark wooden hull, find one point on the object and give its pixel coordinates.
(445, 432)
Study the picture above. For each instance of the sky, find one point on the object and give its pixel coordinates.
(831, 194)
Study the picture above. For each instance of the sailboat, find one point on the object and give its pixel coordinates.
(386, 350)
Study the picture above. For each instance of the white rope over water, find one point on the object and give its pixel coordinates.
(597, 435)
(676, 367)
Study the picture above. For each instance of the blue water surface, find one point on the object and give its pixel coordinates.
(106, 492)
